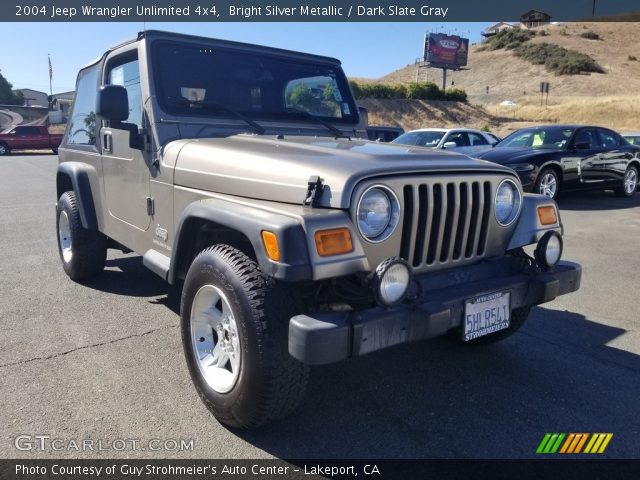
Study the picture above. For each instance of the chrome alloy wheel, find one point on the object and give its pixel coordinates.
(548, 185)
(214, 338)
(630, 181)
(64, 237)
(3, 150)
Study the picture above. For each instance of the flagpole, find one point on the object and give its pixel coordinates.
(50, 76)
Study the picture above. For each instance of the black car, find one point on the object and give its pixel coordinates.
(569, 157)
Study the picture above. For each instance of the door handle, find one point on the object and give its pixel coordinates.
(107, 142)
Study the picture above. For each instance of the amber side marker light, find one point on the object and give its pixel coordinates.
(271, 245)
(334, 241)
(547, 215)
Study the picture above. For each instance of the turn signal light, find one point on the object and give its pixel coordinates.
(334, 241)
(271, 245)
(547, 215)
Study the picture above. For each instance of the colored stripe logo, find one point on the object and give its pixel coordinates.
(574, 443)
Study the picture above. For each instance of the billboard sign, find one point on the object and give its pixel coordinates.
(446, 51)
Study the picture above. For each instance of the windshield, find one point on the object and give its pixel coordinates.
(544, 138)
(420, 139)
(190, 77)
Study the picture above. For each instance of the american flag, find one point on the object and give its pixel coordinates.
(50, 69)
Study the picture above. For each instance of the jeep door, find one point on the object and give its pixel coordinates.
(125, 168)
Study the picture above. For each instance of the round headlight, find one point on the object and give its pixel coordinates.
(508, 202)
(378, 213)
(391, 281)
(549, 250)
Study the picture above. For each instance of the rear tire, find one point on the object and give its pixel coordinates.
(235, 323)
(629, 183)
(518, 318)
(55, 151)
(83, 252)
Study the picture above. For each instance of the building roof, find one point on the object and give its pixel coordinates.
(29, 90)
(64, 95)
(526, 14)
(499, 24)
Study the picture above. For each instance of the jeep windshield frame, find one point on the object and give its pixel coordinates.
(261, 85)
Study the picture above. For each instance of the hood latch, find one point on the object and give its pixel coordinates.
(314, 191)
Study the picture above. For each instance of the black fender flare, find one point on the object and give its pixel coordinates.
(250, 221)
(76, 175)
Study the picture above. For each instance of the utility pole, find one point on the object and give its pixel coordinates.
(593, 9)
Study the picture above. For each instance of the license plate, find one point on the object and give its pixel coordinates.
(486, 314)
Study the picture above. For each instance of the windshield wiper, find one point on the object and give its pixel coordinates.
(215, 106)
(337, 132)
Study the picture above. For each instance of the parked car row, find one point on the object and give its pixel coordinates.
(549, 158)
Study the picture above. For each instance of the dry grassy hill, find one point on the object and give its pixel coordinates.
(609, 99)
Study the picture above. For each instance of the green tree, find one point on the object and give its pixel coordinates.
(7, 95)
(302, 97)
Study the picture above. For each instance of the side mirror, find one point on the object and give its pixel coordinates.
(582, 146)
(113, 103)
(449, 145)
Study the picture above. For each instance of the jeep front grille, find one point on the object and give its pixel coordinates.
(445, 222)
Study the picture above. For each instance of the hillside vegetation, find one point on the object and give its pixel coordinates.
(555, 58)
(512, 78)
(610, 98)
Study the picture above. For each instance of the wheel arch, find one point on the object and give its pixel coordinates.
(72, 176)
(214, 221)
(555, 166)
(635, 161)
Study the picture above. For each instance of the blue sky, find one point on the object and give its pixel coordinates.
(366, 49)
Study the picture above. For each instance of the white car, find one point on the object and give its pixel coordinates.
(461, 140)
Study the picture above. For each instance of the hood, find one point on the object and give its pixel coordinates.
(508, 155)
(278, 169)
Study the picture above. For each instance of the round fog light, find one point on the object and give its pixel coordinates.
(391, 281)
(549, 250)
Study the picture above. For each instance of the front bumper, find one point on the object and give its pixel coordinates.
(335, 336)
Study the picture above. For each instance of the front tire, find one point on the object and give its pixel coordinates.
(83, 252)
(629, 183)
(234, 334)
(4, 149)
(548, 183)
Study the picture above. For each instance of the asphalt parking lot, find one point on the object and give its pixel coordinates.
(104, 360)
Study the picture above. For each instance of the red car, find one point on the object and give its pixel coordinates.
(28, 138)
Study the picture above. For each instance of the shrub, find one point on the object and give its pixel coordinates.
(455, 95)
(508, 39)
(631, 58)
(416, 91)
(558, 59)
(424, 91)
(590, 35)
